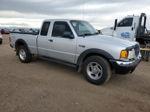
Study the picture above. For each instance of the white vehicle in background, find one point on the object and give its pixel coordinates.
(131, 28)
(1, 38)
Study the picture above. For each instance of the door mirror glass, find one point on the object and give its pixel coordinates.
(67, 34)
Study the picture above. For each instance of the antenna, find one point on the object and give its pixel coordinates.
(83, 10)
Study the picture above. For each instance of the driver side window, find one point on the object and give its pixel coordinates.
(127, 22)
(60, 28)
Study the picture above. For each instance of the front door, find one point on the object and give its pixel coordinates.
(63, 48)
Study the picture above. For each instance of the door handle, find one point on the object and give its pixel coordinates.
(50, 40)
(83, 46)
(132, 28)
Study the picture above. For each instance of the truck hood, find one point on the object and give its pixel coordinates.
(111, 40)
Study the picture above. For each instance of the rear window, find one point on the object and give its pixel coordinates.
(45, 28)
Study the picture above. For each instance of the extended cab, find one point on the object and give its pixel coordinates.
(77, 43)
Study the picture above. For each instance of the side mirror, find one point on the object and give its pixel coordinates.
(115, 24)
(99, 32)
(68, 35)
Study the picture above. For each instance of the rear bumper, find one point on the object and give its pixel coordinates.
(121, 67)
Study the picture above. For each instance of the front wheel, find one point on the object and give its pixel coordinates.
(24, 54)
(96, 70)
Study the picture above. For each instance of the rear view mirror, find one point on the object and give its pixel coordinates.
(115, 24)
(68, 35)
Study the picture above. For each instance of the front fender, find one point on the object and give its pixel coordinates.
(90, 52)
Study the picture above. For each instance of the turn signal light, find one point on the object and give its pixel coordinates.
(124, 54)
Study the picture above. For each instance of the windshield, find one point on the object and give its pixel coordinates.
(83, 28)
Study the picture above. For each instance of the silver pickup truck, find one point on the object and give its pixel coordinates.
(77, 43)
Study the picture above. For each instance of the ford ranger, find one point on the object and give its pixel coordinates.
(77, 43)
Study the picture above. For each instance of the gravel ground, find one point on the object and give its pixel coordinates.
(43, 86)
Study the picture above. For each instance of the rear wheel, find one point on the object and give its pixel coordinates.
(96, 70)
(1, 42)
(24, 54)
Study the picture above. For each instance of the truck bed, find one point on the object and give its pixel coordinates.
(33, 33)
(29, 38)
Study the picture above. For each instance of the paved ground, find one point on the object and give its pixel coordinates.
(43, 86)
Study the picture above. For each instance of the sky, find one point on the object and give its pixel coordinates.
(100, 13)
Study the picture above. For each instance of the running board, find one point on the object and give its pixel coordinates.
(58, 61)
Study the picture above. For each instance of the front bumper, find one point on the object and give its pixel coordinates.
(122, 67)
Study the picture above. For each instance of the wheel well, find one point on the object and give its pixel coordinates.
(93, 54)
(19, 43)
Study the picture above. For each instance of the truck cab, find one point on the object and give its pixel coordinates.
(132, 28)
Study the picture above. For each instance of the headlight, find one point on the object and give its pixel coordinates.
(131, 54)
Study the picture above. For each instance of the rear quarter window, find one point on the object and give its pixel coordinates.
(45, 27)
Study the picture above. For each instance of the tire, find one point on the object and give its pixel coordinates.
(1, 42)
(24, 54)
(96, 70)
(147, 58)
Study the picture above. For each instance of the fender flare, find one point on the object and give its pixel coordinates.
(92, 52)
(22, 43)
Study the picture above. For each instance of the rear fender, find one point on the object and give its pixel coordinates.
(21, 42)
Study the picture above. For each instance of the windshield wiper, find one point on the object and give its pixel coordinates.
(86, 34)
(95, 33)
(89, 34)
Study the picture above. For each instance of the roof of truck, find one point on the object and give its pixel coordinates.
(62, 20)
(133, 15)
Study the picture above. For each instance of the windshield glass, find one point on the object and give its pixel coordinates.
(83, 28)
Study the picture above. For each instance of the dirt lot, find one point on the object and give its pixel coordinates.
(43, 86)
